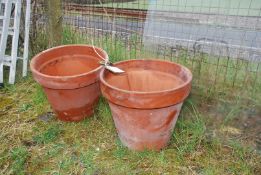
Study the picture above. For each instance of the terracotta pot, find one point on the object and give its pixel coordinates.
(146, 100)
(69, 76)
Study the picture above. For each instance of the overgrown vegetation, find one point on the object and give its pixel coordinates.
(211, 136)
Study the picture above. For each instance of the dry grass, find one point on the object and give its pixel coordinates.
(202, 143)
(211, 137)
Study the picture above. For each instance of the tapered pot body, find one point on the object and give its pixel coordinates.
(146, 100)
(69, 75)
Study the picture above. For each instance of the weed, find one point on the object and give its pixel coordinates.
(162, 157)
(65, 164)
(241, 154)
(42, 43)
(39, 99)
(121, 150)
(9, 88)
(104, 114)
(49, 135)
(87, 161)
(190, 133)
(39, 96)
(115, 50)
(19, 156)
(70, 37)
(3, 157)
(55, 150)
(103, 108)
(144, 154)
(25, 107)
(209, 171)
(232, 114)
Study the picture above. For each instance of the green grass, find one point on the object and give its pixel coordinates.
(232, 7)
(215, 76)
(212, 75)
(48, 136)
(209, 137)
(19, 156)
(199, 144)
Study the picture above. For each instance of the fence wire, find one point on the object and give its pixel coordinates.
(219, 40)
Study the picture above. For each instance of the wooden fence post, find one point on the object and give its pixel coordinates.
(54, 14)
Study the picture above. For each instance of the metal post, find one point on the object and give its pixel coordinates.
(5, 30)
(26, 36)
(14, 52)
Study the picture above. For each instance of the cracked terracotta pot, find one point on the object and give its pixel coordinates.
(69, 76)
(146, 100)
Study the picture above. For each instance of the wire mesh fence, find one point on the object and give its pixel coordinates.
(219, 40)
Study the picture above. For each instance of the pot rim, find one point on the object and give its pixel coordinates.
(151, 92)
(33, 60)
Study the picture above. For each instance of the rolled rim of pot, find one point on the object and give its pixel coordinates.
(67, 81)
(151, 99)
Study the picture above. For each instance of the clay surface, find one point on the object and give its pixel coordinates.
(69, 65)
(146, 100)
(144, 80)
(69, 75)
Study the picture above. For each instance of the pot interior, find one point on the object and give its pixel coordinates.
(147, 76)
(69, 65)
